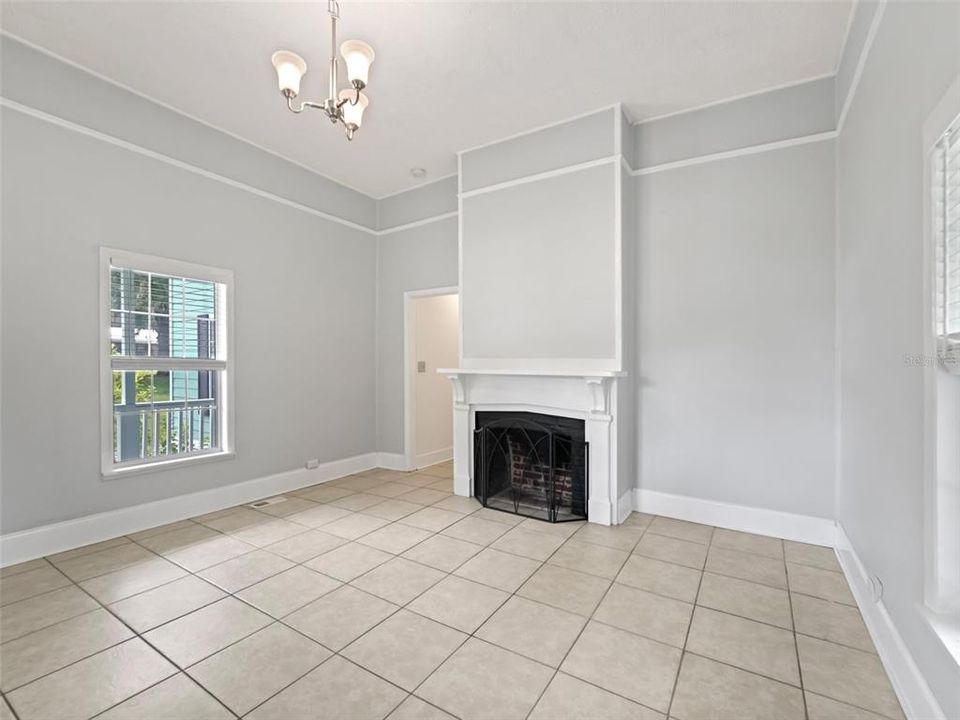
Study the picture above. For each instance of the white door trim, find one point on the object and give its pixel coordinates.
(409, 371)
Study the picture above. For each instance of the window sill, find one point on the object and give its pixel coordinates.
(131, 470)
(947, 628)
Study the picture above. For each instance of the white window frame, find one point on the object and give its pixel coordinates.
(225, 339)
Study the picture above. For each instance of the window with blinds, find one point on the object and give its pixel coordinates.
(946, 228)
(167, 362)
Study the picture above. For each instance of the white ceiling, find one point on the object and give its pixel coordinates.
(448, 75)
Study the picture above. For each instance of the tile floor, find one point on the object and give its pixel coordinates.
(383, 595)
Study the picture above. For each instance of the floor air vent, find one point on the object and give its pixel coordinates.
(268, 501)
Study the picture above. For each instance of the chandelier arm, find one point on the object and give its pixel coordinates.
(303, 106)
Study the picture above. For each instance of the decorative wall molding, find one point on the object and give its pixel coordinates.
(416, 223)
(760, 521)
(47, 539)
(566, 170)
(908, 682)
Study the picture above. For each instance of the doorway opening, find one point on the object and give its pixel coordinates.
(431, 341)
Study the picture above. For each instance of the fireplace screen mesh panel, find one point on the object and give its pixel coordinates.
(531, 464)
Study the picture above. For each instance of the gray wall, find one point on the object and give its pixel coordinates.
(418, 258)
(305, 290)
(914, 58)
(735, 278)
(436, 198)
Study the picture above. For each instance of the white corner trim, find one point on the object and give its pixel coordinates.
(861, 64)
(433, 458)
(47, 539)
(392, 461)
(908, 682)
(154, 155)
(414, 188)
(416, 223)
(790, 526)
(727, 154)
(625, 506)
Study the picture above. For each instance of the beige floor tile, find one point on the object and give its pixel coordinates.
(459, 603)
(101, 562)
(249, 672)
(749, 645)
(246, 570)
(395, 538)
(340, 617)
(413, 708)
(94, 684)
(390, 490)
(457, 503)
(87, 549)
(510, 685)
(354, 526)
(681, 530)
(440, 470)
(638, 519)
(831, 621)
(653, 616)
(176, 698)
(746, 599)
(425, 496)
(708, 690)
(823, 708)
(668, 549)
(393, 509)
(268, 533)
(340, 688)
(160, 530)
(405, 648)
(614, 536)
(399, 580)
(565, 589)
(356, 483)
(445, 486)
(319, 516)
(179, 538)
(11, 570)
(210, 552)
(305, 546)
(358, 501)
(534, 545)
(663, 578)
(442, 552)
(239, 519)
(567, 698)
(564, 529)
(534, 630)
(200, 634)
(434, 519)
(747, 566)
(21, 586)
(635, 667)
(217, 514)
(6, 712)
(348, 561)
(21, 618)
(499, 516)
(814, 555)
(290, 505)
(44, 651)
(325, 493)
(475, 530)
(417, 480)
(281, 594)
(748, 542)
(593, 559)
(132, 580)
(498, 569)
(848, 675)
(819, 583)
(161, 604)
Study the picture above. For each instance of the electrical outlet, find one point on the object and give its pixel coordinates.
(421, 366)
(313, 464)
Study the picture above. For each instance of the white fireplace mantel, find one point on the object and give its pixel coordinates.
(587, 394)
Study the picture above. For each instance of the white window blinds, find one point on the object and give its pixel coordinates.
(946, 227)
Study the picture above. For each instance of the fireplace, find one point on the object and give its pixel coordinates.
(531, 464)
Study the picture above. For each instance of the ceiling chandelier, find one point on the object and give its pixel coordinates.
(345, 106)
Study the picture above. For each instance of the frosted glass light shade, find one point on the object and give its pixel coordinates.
(290, 68)
(353, 114)
(358, 56)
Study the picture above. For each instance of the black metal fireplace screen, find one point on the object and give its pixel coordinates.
(531, 464)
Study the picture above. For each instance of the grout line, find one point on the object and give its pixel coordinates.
(796, 644)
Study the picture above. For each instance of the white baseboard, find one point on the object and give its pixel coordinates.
(432, 458)
(801, 528)
(48, 539)
(625, 506)
(908, 682)
(393, 461)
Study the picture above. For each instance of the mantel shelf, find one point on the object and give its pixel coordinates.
(530, 372)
